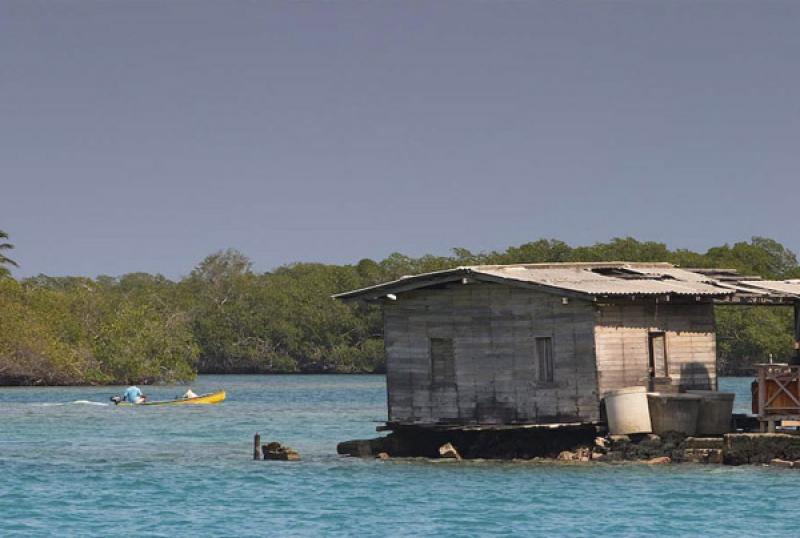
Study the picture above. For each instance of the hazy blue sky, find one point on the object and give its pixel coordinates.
(144, 135)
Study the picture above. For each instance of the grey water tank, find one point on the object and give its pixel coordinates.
(673, 412)
(716, 410)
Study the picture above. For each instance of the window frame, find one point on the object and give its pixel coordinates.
(545, 362)
(653, 370)
(443, 376)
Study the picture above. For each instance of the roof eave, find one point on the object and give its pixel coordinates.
(373, 293)
(380, 291)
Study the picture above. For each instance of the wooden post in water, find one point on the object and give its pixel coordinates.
(797, 332)
(257, 447)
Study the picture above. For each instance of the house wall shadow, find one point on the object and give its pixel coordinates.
(695, 376)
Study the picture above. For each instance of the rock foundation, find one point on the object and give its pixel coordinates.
(779, 449)
(501, 444)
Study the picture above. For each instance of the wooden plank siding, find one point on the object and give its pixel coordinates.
(622, 350)
(493, 329)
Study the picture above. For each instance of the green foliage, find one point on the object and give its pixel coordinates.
(751, 334)
(281, 321)
(224, 317)
(40, 343)
(762, 256)
(135, 344)
(60, 331)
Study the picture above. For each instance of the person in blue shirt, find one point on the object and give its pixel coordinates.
(133, 395)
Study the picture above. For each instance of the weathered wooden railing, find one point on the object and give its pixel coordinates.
(778, 394)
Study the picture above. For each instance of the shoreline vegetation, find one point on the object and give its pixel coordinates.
(225, 318)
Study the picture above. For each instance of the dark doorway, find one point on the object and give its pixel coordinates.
(657, 346)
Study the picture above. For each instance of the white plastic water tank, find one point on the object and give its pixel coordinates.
(627, 411)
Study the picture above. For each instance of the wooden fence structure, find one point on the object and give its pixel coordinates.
(777, 394)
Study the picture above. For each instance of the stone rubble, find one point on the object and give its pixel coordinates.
(447, 450)
(276, 451)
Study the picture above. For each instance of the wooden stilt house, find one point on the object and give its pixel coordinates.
(542, 343)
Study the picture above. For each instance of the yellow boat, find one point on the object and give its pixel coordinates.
(210, 398)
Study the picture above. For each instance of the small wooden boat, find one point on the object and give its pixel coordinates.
(210, 398)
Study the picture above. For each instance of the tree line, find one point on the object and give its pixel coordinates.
(224, 317)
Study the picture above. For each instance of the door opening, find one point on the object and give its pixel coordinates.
(658, 368)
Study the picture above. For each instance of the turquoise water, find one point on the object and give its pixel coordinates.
(86, 469)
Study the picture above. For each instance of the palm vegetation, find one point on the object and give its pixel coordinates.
(4, 260)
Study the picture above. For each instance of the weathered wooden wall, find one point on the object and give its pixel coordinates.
(621, 338)
(493, 328)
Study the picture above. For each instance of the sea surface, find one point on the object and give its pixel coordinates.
(72, 465)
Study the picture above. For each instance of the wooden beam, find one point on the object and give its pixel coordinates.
(257, 447)
(797, 329)
(758, 300)
(762, 390)
(399, 286)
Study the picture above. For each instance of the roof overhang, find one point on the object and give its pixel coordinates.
(464, 275)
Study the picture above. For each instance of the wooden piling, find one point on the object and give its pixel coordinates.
(257, 447)
(797, 331)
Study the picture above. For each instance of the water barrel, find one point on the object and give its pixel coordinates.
(716, 410)
(674, 412)
(627, 411)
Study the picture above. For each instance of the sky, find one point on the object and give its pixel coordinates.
(144, 135)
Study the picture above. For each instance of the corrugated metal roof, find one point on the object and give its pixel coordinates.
(587, 279)
(654, 281)
(790, 287)
(672, 272)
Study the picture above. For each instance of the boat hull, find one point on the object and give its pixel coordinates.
(203, 399)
